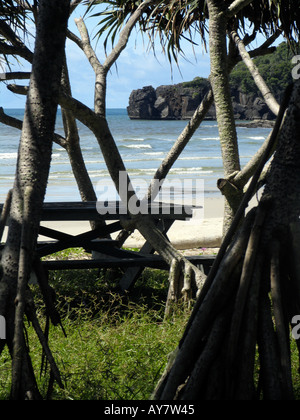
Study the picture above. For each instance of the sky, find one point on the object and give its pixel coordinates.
(136, 67)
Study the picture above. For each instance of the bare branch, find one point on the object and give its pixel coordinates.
(10, 121)
(20, 90)
(102, 70)
(15, 75)
(260, 83)
(100, 83)
(16, 123)
(180, 143)
(75, 39)
(86, 46)
(237, 6)
(125, 34)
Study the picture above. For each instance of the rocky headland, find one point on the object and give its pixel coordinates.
(179, 102)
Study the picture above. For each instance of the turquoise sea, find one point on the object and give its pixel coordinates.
(142, 144)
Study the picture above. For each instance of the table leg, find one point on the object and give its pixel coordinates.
(132, 274)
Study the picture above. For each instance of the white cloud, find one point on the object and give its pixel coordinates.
(136, 68)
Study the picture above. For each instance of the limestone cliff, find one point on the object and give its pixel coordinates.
(176, 102)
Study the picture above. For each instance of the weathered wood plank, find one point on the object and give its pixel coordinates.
(132, 273)
(63, 211)
(149, 261)
(83, 240)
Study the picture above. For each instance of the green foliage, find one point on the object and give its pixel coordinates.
(117, 346)
(197, 83)
(174, 21)
(276, 70)
(12, 17)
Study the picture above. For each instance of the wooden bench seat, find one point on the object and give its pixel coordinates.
(163, 214)
(153, 261)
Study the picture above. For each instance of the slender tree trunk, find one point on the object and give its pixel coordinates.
(225, 116)
(33, 166)
(72, 142)
(260, 83)
(73, 149)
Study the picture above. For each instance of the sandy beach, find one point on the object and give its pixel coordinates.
(143, 146)
(205, 232)
(199, 232)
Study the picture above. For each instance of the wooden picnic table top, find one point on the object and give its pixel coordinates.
(64, 211)
(111, 255)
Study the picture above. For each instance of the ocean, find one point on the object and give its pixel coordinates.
(142, 144)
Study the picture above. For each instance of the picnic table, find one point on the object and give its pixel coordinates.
(108, 251)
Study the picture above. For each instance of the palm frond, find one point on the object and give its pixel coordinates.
(13, 13)
(113, 16)
(267, 16)
(174, 20)
(13, 16)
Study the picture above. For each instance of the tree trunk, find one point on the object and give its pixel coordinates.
(225, 116)
(97, 123)
(73, 149)
(33, 167)
(251, 296)
(259, 81)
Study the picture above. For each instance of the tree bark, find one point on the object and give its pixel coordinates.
(33, 165)
(72, 145)
(254, 284)
(224, 109)
(260, 83)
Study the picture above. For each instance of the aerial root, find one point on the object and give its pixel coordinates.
(174, 287)
(24, 384)
(214, 296)
(293, 290)
(32, 317)
(185, 282)
(5, 213)
(246, 278)
(281, 322)
(241, 324)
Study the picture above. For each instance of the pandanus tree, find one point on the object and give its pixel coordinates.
(252, 292)
(48, 88)
(251, 295)
(32, 172)
(235, 22)
(233, 296)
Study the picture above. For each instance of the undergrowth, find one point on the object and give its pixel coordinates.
(117, 346)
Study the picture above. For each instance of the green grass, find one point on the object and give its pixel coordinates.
(116, 346)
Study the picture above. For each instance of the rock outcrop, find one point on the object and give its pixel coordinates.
(177, 102)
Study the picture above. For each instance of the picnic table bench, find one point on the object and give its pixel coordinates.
(108, 251)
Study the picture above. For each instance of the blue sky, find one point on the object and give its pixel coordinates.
(136, 68)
